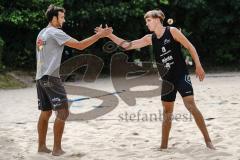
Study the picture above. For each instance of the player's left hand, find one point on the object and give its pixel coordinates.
(200, 72)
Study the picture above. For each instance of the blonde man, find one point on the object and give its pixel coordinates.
(166, 42)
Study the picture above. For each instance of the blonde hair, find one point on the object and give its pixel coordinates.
(155, 14)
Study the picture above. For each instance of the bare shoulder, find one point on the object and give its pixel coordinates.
(174, 30)
(176, 33)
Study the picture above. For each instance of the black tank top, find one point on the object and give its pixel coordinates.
(167, 51)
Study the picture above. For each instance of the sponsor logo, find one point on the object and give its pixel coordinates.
(188, 80)
(40, 44)
(165, 60)
(165, 53)
(166, 41)
(168, 65)
(56, 100)
(163, 49)
(188, 92)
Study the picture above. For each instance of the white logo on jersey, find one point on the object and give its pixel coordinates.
(165, 53)
(165, 60)
(168, 65)
(163, 49)
(166, 41)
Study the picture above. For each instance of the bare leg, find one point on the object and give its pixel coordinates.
(42, 131)
(59, 124)
(192, 108)
(167, 123)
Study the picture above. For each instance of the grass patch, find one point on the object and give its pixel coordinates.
(9, 82)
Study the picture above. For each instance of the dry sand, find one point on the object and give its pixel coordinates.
(110, 137)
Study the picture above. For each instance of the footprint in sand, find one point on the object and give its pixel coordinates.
(211, 96)
(192, 149)
(236, 124)
(135, 134)
(123, 145)
(238, 151)
(218, 135)
(174, 144)
(158, 149)
(18, 156)
(217, 140)
(218, 128)
(128, 155)
(209, 119)
(79, 155)
(223, 102)
(208, 125)
(220, 155)
(220, 147)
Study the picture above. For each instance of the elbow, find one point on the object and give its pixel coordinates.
(127, 46)
(80, 47)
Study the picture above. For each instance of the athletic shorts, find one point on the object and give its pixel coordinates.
(182, 84)
(51, 93)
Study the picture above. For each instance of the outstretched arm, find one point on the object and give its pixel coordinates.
(178, 36)
(81, 45)
(139, 43)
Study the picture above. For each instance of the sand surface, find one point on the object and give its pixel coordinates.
(113, 137)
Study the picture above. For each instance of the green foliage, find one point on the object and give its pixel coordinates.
(215, 25)
(126, 17)
(20, 22)
(26, 13)
(212, 26)
(1, 52)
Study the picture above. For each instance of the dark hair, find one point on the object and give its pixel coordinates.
(53, 11)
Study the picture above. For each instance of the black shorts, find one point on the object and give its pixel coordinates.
(51, 93)
(182, 84)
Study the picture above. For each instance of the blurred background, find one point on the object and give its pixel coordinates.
(212, 26)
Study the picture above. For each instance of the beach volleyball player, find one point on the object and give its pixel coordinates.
(50, 91)
(166, 42)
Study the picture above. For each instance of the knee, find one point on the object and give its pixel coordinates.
(167, 109)
(45, 115)
(167, 114)
(190, 105)
(62, 114)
